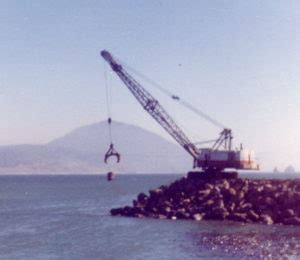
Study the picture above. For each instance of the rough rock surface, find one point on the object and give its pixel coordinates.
(247, 200)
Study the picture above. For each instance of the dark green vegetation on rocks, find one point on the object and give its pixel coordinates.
(246, 200)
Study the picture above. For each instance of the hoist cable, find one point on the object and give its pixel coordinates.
(111, 152)
(108, 101)
(176, 98)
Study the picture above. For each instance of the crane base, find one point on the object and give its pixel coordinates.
(211, 174)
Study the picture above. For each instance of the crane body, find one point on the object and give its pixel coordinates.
(219, 157)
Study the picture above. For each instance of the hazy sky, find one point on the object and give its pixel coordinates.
(239, 61)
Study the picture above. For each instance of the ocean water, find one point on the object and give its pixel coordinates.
(67, 217)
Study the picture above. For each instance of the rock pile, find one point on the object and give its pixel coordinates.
(247, 200)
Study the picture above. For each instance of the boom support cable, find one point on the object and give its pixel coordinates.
(225, 135)
(175, 97)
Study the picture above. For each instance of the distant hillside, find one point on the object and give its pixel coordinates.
(289, 169)
(82, 151)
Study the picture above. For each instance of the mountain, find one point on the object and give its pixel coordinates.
(83, 149)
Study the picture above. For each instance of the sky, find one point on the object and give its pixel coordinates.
(239, 61)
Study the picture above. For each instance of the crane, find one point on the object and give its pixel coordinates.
(217, 158)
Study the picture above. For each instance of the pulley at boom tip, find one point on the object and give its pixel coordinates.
(108, 57)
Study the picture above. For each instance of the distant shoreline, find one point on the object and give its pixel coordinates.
(251, 175)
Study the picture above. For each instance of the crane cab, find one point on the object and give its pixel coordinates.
(222, 159)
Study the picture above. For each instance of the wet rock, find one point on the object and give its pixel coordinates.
(266, 219)
(126, 211)
(208, 203)
(238, 217)
(204, 193)
(167, 210)
(296, 187)
(161, 216)
(182, 214)
(238, 184)
(186, 201)
(292, 221)
(252, 216)
(239, 196)
(116, 212)
(230, 206)
(269, 188)
(198, 216)
(219, 213)
(245, 206)
(260, 189)
(142, 197)
(269, 201)
(219, 203)
(289, 213)
(155, 193)
(223, 184)
(167, 203)
(231, 192)
(137, 204)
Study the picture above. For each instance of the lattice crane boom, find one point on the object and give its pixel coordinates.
(152, 106)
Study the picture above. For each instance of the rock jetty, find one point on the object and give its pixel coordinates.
(239, 199)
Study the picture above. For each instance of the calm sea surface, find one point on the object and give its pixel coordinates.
(67, 217)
